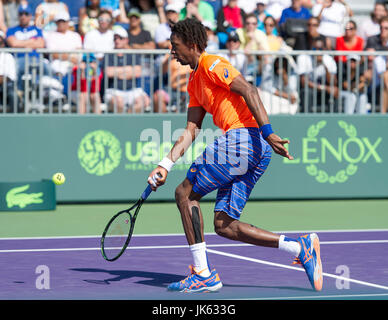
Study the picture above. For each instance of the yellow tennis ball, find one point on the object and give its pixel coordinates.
(59, 178)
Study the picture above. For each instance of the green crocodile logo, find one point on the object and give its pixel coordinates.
(17, 197)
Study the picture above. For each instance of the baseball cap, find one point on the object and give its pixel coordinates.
(233, 36)
(172, 7)
(354, 57)
(134, 12)
(25, 8)
(120, 31)
(62, 15)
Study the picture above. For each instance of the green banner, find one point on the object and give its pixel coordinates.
(27, 196)
(109, 157)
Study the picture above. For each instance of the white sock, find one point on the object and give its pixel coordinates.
(201, 266)
(289, 245)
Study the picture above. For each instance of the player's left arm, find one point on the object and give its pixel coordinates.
(251, 96)
(195, 116)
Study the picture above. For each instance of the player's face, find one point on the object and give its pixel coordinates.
(180, 51)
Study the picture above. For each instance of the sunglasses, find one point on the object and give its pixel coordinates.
(104, 19)
(23, 14)
(313, 24)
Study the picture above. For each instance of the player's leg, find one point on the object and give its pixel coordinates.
(201, 278)
(233, 229)
(189, 208)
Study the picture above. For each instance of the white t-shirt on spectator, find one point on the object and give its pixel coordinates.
(276, 7)
(305, 66)
(7, 66)
(62, 42)
(247, 5)
(332, 19)
(97, 41)
(162, 33)
(368, 29)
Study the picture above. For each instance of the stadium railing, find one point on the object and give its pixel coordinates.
(55, 81)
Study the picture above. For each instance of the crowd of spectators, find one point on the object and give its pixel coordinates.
(122, 82)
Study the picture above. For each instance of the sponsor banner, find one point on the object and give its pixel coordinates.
(109, 158)
(27, 196)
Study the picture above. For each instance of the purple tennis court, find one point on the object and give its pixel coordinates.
(354, 266)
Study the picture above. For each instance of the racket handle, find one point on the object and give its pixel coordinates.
(146, 192)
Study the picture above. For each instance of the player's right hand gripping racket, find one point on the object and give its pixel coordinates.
(118, 231)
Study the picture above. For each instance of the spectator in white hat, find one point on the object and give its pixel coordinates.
(63, 39)
(212, 39)
(163, 31)
(123, 72)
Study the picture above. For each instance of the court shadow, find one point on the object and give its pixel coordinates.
(156, 279)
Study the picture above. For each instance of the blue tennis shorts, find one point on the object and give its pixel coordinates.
(232, 165)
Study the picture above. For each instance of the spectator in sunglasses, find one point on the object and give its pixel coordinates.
(305, 40)
(101, 39)
(275, 42)
(350, 41)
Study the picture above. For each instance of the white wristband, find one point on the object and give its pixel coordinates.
(166, 163)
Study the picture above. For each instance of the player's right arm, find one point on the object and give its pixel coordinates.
(195, 117)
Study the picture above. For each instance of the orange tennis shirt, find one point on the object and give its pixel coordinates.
(209, 88)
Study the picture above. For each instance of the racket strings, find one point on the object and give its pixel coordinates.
(117, 235)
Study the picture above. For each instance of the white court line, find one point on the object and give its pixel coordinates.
(206, 233)
(230, 255)
(340, 296)
(177, 246)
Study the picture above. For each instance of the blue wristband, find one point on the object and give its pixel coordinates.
(266, 130)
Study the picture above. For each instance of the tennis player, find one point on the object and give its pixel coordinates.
(231, 165)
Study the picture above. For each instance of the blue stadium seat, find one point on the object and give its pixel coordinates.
(74, 6)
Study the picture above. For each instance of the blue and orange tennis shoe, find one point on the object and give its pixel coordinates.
(197, 283)
(310, 259)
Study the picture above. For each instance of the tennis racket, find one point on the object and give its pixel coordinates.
(118, 231)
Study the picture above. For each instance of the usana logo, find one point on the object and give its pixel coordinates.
(99, 152)
(349, 150)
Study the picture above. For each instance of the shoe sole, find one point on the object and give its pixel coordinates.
(318, 277)
(214, 288)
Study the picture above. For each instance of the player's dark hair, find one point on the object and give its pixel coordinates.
(191, 31)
